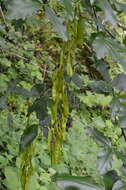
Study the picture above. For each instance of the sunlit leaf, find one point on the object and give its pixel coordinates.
(12, 181)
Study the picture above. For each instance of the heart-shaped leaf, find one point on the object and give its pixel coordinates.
(28, 136)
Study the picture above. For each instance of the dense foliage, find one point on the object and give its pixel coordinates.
(62, 94)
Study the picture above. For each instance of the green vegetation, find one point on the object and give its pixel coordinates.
(62, 95)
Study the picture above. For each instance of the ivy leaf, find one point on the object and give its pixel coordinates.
(28, 136)
(68, 8)
(120, 82)
(105, 46)
(20, 9)
(105, 160)
(59, 27)
(98, 137)
(77, 183)
(108, 11)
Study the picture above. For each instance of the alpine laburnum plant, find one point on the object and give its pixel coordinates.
(75, 62)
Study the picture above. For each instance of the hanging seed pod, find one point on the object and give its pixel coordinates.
(27, 170)
(60, 105)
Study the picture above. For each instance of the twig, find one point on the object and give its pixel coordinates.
(46, 70)
(21, 57)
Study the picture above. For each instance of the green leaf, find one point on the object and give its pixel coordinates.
(101, 87)
(57, 23)
(28, 136)
(105, 160)
(115, 107)
(122, 122)
(99, 137)
(3, 43)
(109, 179)
(102, 68)
(121, 7)
(77, 80)
(108, 11)
(20, 9)
(3, 102)
(119, 185)
(68, 8)
(21, 91)
(12, 181)
(121, 155)
(10, 120)
(120, 82)
(40, 106)
(104, 46)
(77, 183)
